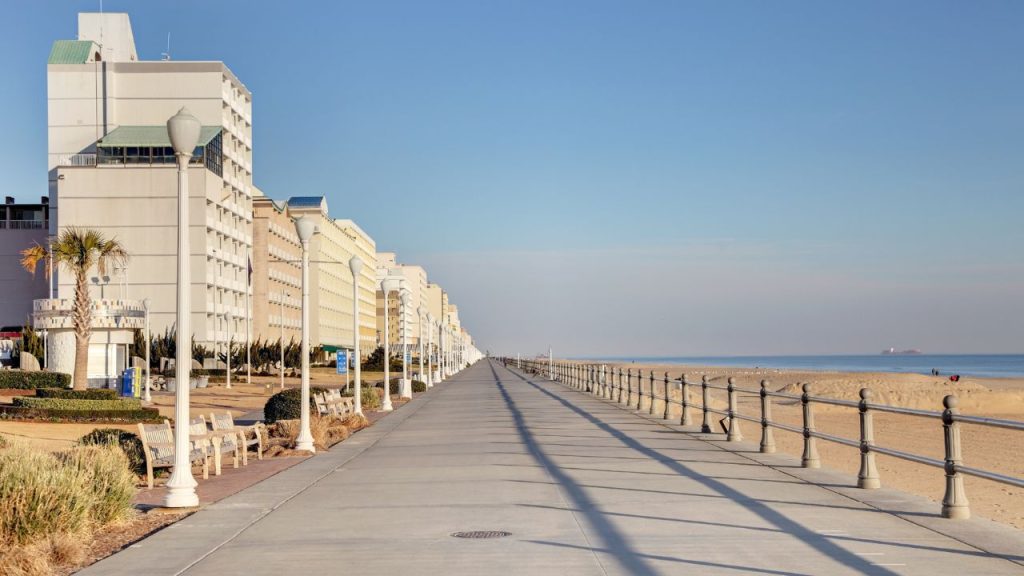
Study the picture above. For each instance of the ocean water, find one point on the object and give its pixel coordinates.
(980, 365)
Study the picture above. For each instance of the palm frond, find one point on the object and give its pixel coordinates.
(32, 256)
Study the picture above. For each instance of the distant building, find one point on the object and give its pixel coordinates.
(329, 254)
(435, 299)
(277, 272)
(111, 168)
(21, 227)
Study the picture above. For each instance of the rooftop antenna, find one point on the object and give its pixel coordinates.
(167, 55)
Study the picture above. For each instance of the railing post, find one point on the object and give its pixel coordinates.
(629, 386)
(867, 477)
(954, 502)
(605, 386)
(619, 389)
(639, 389)
(684, 399)
(704, 426)
(667, 395)
(810, 457)
(650, 409)
(767, 438)
(734, 434)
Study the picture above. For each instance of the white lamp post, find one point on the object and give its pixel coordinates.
(356, 266)
(145, 304)
(406, 388)
(284, 296)
(419, 339)
(430, 350)
(305, 228)
(444, 351)
(388, 285)
(228, 318)
(183, 130)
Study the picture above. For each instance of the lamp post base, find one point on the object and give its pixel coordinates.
(181, 493)
(305, 443)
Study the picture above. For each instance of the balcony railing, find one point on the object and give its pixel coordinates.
(23, 224)
(76, 160)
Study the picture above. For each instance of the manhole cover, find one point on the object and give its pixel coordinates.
(482, 534)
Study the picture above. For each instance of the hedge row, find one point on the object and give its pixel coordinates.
(78, 404)
(90, 394)
(8, 412)
(30, 380)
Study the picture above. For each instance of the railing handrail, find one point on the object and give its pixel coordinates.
(599, 380)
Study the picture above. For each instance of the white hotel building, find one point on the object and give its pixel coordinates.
(111, 168)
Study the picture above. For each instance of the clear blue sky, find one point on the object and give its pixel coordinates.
(716, 177)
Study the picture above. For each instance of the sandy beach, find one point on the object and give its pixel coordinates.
(992, 449)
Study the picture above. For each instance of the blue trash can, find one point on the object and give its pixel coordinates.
(128, 383)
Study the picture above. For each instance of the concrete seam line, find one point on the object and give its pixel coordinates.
(315, 481)
(573, 513)
(715, 443)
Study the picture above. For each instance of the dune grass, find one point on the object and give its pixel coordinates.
(53, 501)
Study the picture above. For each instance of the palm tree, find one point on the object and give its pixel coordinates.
(78, 250)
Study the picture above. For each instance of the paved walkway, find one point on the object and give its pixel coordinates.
(582, 485)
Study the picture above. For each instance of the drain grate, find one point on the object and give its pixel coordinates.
(482, 534)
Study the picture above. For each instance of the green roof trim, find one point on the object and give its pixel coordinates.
(331, 348)
(151, 136)
(71, 52)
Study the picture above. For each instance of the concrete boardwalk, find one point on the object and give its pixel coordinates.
(584, 487)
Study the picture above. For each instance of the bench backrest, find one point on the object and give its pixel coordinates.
(222, 421)
(156, 433)
(197, 426)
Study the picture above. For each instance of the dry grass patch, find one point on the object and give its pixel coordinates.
(53, 502)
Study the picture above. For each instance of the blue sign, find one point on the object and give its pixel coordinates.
(341, 360)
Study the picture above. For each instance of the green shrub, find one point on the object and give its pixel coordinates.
(370, 399)
(19, 380)
(109, 482)
(8, 412)
(286, 405)
(418, 386)
(78, 404)
(90, 394)
(393, 388)
(128, 442)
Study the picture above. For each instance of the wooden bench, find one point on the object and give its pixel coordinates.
(247, 435)
(158, 448)
(332, 403)
(221, 442)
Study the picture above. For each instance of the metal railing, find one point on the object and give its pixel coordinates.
(24, 224)
(626, 388)
(76, 160)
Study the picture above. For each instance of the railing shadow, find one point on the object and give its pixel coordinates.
(761, 509)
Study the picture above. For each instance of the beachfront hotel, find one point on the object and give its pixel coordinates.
(21, 226)
(415, 284)
(112, 169)
(277, 272)
(330, 250)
